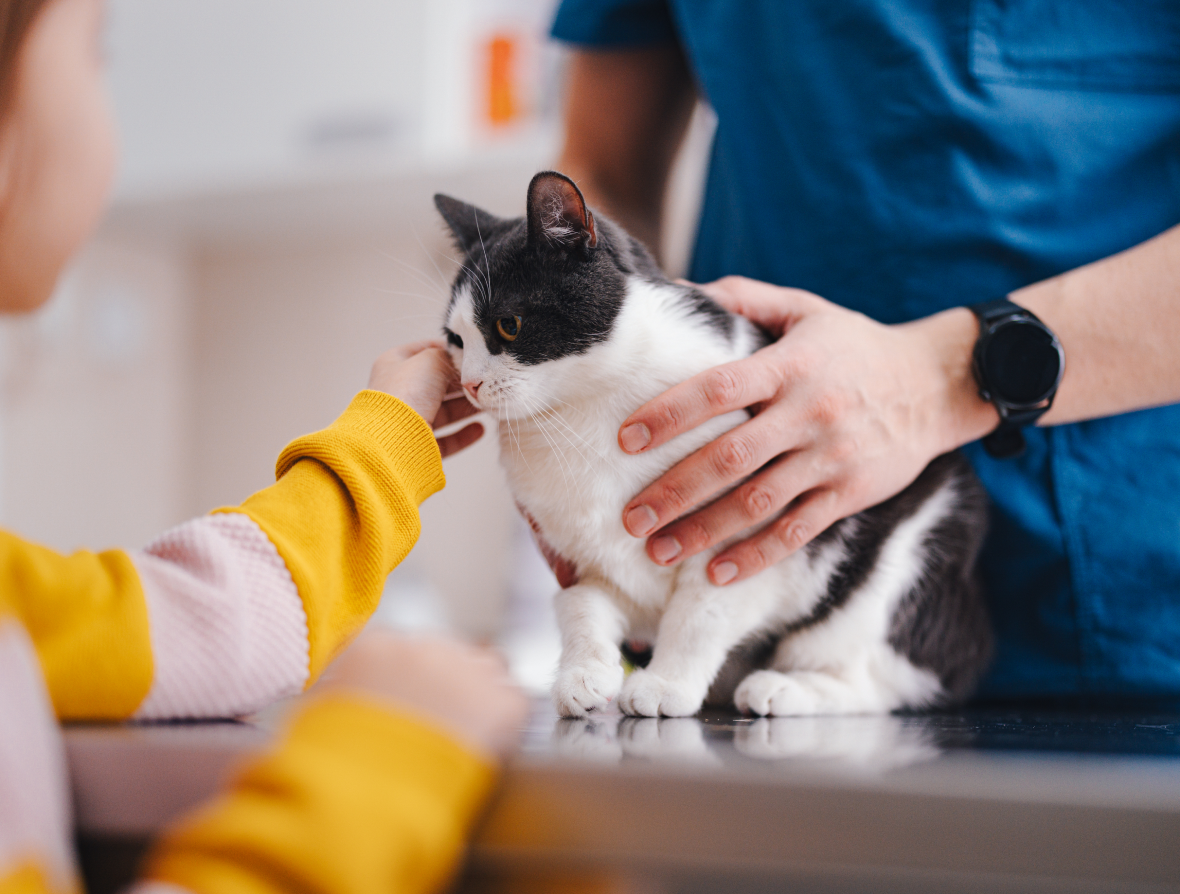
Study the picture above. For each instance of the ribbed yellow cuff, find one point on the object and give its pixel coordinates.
(375, 418)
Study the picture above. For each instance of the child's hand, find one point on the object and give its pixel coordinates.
(462, 689)
(421, 375)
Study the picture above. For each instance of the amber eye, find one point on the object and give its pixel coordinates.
(508, 327)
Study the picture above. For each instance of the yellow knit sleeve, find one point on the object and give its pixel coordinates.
(87, 618)
(344, 512)
(358, 798)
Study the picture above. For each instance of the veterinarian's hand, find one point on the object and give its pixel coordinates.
(462, 689)
(422, 376)
(846, 413)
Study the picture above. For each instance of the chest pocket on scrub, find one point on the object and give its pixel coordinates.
(1121, 45)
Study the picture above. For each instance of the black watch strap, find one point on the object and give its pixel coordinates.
(990, 311)
(1007, 439)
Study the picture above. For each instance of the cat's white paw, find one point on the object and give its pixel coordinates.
(775, 694)
(647, 695)
(586, 687)
(811, 693)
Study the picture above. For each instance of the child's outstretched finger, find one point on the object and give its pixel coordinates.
(454, 409)
(405, 352)
(464, 437)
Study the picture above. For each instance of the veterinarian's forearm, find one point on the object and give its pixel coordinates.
(1119, 323)
(1117, 320)
(626, 115)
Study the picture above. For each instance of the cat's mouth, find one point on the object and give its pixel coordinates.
(489, 396)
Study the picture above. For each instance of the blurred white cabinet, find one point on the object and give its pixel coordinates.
(224, 95)
(218, 93)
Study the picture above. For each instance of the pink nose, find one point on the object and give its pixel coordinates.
(472, 388)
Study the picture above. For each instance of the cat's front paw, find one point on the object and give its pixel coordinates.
(586, 687)
(649, 695)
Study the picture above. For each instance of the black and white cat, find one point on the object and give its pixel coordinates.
(562, 325)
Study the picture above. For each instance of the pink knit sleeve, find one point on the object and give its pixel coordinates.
(34, 794)
(228, 629)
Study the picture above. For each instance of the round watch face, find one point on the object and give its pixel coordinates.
(1021, 362)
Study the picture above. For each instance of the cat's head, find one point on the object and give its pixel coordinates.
(535, 295)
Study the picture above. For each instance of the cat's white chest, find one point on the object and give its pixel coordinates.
(575, 487)
(575, 484)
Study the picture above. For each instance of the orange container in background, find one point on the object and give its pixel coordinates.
(503, 104)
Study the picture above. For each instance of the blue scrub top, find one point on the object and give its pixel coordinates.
(905, 156)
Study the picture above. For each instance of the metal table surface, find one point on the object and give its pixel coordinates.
(987, 799)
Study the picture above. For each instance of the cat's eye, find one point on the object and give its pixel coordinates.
(508, 327)
(454, 340)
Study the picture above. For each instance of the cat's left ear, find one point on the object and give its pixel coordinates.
(557, 213)
(469, 225)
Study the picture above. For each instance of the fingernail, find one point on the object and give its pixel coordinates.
(640, 521)
(724, 573)
(665, 549)
(634, 437)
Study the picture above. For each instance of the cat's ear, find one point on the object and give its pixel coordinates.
(469, 225)
(557, 213)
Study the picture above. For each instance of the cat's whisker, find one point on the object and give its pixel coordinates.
(401, 293)
(574, 492)
(422, 276)
(503, 417)
(554, 416)
(502, 413)
(442, 277)
(402, 318)
(551, 415)
(486, 264)
(472, 277)
(554, 431)
(434, 290)
(562, 461)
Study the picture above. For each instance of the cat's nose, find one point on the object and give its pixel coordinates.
(472, 388)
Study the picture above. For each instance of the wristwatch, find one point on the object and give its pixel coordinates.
(1018, 363)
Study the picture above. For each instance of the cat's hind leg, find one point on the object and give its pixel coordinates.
(590, 673)
(876, 681)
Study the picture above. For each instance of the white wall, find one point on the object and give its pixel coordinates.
(94, 400)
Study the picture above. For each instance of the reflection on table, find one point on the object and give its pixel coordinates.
(1044, 799)
(878, 742)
